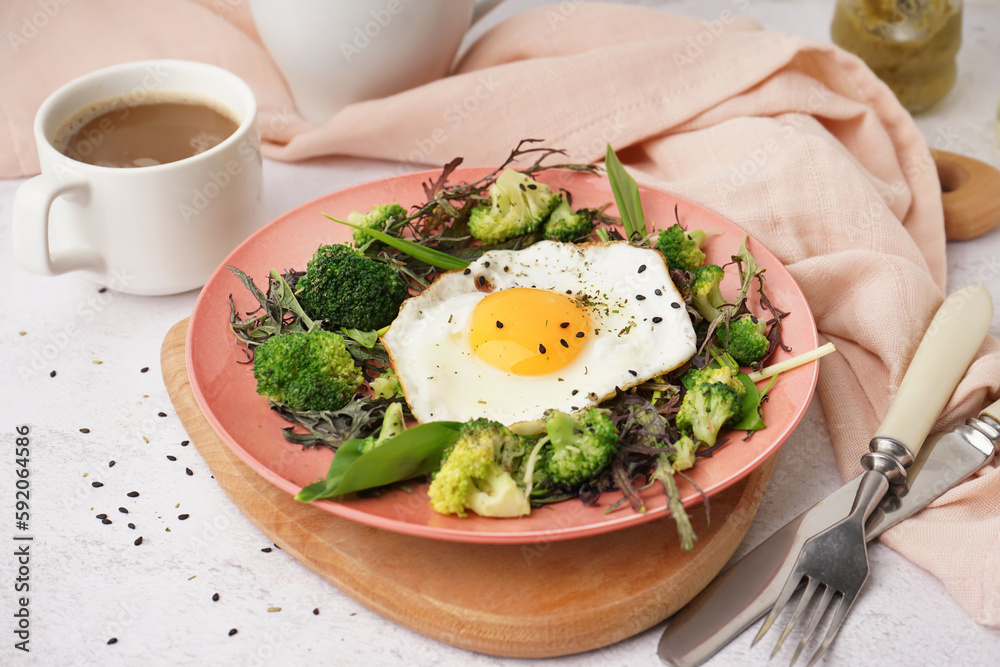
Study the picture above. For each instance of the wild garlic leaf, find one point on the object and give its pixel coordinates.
(426, 255)
(626, 192)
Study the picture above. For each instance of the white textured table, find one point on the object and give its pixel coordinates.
(82, 368)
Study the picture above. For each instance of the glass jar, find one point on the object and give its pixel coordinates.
(910, 44)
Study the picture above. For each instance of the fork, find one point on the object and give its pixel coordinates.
(842, 575)
(836, 558)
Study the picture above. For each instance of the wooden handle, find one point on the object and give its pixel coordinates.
(970, 192)
(948, 347)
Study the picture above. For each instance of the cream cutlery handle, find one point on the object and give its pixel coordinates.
(992, 411)
(942, 358)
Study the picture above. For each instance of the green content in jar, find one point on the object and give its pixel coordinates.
(910, 44)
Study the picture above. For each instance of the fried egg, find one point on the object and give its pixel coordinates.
(553, 326)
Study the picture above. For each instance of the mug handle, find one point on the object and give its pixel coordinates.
(32, 206)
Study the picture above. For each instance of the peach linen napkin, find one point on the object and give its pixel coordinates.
(795, 141)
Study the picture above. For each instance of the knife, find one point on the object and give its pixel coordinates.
(749, 588)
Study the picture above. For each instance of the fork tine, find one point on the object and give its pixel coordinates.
(811, 585)
(817, 615)
(838, 619)
(786, 593)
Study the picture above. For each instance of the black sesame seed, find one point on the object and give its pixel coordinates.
(521, 185)
(111, 464)
(123, 510)
(144, 369)
(466, 272)
(161, 414)
(233, 632)
(106, 521)
(183, 517)
(658, 292)
(171, 457)
(532, 186)
(573, 408)
(102, 516)
(506, 269)
(189, 471)
(84, 430)
(482, 281)
(133, 494)
(563, 325)
(486, 264)
(185, 443)
(575, 392)
(657, 320)
(580, 334)
(316, 611)
(499, 324)
(97, 485)
(642, 268)
(113, 640)
(132, 526)
(266, 550)
(541, 348)
(102, 290)
(138, 541)
(640, 297)
(753, 318)
(52, 374)
(633, 373)
(215, 597)
(675, 305)
(563, 342)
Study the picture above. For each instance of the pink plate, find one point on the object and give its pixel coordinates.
(226, 391)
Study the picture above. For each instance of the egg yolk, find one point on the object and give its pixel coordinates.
(527, 331)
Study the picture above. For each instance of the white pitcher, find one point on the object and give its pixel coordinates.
(336, 52)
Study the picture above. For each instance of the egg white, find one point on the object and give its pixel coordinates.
(623, 287)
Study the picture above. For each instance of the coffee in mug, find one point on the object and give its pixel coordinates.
(116, 133)
(151, 175)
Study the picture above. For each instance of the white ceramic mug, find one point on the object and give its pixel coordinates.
(337, 52)
(159, 229)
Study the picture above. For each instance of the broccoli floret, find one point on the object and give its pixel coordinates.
(681, 248)
(307, 371)
(714, 398)
(683, 455)
(386, 385)
(379, 217)
(579, 446)
(566, 225)
(477, 473)
(347, 289)
(705, 294)
(747, 339)
(393, 423)
(710, 374)
(518, 205)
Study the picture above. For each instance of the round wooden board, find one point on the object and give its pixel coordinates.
(528, 601)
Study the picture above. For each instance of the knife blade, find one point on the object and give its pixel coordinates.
(749, 588)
